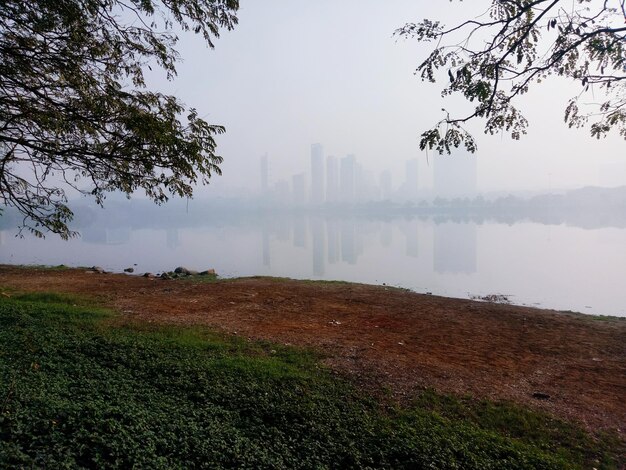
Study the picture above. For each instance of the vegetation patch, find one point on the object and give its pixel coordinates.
(80, 388)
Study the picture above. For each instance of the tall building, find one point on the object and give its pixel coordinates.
(298, 183)
(385, 185)
(332, 179)
(317, 174)
(347, 175)
(281, 192)
(455, 175)
(411, 181)
(264, 174)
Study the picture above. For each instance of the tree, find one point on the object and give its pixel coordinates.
(75, 111)
(497, 57)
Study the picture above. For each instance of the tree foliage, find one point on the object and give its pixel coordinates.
(75, 110)
(495, 58)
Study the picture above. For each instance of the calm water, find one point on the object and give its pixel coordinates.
(551, 266)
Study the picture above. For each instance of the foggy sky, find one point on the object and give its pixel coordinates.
(294, 73)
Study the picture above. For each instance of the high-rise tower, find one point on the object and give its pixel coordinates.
(264, 174)
(317, 174)
(411, 178)
(347, 175)
(332, 179)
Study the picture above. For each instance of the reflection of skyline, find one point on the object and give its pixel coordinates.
(454, 248)
(348, 242)
(345, 241)
(332, 229)
(319, 242)
(411, 233)
(266, 245)
(299, 232)
(415, 252)
(106, 236)
(172, 239)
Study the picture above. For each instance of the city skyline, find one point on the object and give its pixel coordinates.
(345, 180)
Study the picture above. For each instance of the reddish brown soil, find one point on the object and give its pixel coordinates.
(386, 337)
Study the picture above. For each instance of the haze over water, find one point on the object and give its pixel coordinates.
(567, 263)
(295, 73)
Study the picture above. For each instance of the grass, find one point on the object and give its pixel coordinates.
(79, 388)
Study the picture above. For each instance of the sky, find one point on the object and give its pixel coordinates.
(295, 72)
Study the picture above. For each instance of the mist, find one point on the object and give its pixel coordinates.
(293, 74)
(323, 177)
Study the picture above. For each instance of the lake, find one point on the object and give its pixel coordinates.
(545, 265)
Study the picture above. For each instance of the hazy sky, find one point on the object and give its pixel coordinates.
(296, 72)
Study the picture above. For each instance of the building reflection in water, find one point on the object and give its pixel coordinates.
(410, 230)
(334, 247)
(386, 234)
(172, 239)
(106, 235)
(336, 240)
(319, 242)
(299, 231)
(454, 248)
(348, 245)
(265, 242)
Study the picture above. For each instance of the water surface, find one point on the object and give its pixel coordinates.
(546, 265)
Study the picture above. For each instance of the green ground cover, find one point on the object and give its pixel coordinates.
(79, 388)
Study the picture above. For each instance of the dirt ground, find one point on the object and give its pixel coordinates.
(385, 337)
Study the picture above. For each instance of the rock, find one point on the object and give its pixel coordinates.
(129, 270)
(98, 269)
(165, 276)
(148, 275)
(191, 272)
(541, 396)
(208, 272)
(181, 270)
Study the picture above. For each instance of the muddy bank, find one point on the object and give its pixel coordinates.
(568, 364)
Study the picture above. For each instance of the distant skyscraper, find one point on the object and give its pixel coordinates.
(281, 192)
(299, 188)
(264, 174)
(385, 185)
(411, 181)
(317, 174)
(455, 175)
(347, 171)
(359, 183)
(332, 179)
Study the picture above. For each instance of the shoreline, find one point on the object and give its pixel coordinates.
(572, 365)
(491, 298)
